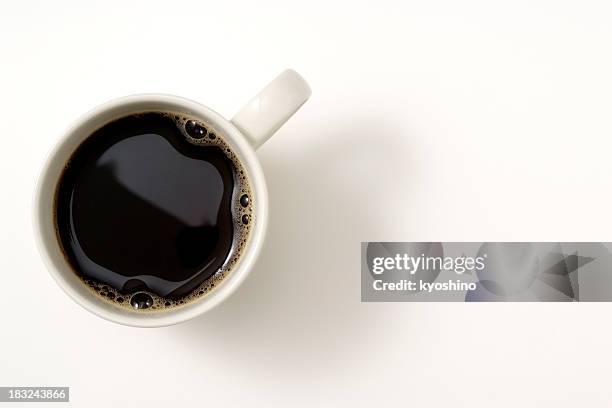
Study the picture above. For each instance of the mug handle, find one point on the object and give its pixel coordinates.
(272, 107)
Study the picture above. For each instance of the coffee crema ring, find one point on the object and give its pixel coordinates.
(134, 294)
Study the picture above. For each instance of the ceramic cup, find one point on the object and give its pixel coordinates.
(245, 132)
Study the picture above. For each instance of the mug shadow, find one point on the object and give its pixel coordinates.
(300, 309)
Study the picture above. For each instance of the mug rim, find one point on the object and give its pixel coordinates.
(43, 217)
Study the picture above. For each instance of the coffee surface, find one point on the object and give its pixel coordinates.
(150, 208)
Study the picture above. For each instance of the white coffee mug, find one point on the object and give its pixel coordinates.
(248, 130)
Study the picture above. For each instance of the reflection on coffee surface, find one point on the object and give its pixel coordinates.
(153, 210)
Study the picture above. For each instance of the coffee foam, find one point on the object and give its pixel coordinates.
(241, 229)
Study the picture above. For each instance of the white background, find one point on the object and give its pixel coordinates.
(429, 120)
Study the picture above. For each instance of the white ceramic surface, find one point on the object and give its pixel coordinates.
(252, 126)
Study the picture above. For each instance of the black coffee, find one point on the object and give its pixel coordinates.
(153, 210)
